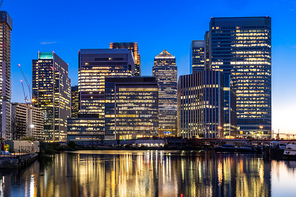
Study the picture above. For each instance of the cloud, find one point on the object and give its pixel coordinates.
(48, 42)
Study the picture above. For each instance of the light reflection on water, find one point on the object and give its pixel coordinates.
(151, 173)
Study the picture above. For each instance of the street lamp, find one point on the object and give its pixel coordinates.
(261, 127)
(219, 130)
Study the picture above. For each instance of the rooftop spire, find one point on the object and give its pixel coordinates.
(164, 54)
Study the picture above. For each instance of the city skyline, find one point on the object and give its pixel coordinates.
(27, 41)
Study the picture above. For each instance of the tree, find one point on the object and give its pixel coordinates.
(71, 144)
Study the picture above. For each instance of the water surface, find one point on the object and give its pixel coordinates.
(151, 173)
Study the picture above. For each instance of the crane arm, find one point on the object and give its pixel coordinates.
(28, 84)
(24, 92)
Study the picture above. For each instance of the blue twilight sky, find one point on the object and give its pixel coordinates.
(66, 26)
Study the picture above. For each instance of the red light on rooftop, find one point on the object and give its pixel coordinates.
(51, 68)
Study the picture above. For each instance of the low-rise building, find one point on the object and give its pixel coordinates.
(27, 121)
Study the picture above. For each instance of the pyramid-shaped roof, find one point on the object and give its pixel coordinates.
(165, 54)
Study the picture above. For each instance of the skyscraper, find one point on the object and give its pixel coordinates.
(94, 66)
(165, 71)
(200, 105)
(5, 74)
(74, 101)
(240, 47)
(131, 109)
(52, 94)
(197, 56)
(131, 46)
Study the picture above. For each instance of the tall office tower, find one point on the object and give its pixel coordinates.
(94, 66)
(165, 71)
(74, 101)
(132, 46)
(200, 105)
(27, 121)
(197, 53)
(241, 48)
(5, 74)
(131, 109)
(52, 94)
(207, 51)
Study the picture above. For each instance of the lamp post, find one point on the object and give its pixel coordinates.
(219, 130)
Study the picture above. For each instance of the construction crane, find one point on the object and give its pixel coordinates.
(26, 98)
(20, 68)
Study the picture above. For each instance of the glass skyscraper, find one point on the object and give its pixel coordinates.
(95, 65)
(131, 109)
(200, 105)
(5, 74)
(131, 46)
(74, 101)
(165, 71)
(51, 91)
(197, 56)
(240, 47)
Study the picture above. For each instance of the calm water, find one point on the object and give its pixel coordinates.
(151, 173)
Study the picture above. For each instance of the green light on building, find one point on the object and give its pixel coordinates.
(45, 55)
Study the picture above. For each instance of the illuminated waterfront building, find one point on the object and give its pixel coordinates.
(165, 71)
(74, 101)
(131, 46)
(197, 55)
(5, 74)
(26, 121)
(240, 47)
(52, 94)
(85, 128)
(131, 109)
(200, 105)
(95, 65)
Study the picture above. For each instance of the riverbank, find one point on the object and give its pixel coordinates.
(17, 160)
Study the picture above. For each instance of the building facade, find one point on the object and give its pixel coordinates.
(133, 46)
(5, 74)
(200, 105)
(85, 128)
(131, 109)
(197, 56)
(95, 65)
(51, 91)
(74, 101)
(165, 72)
(240, 47)
(27, 121)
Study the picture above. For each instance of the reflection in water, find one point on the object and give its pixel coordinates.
(143, 173)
